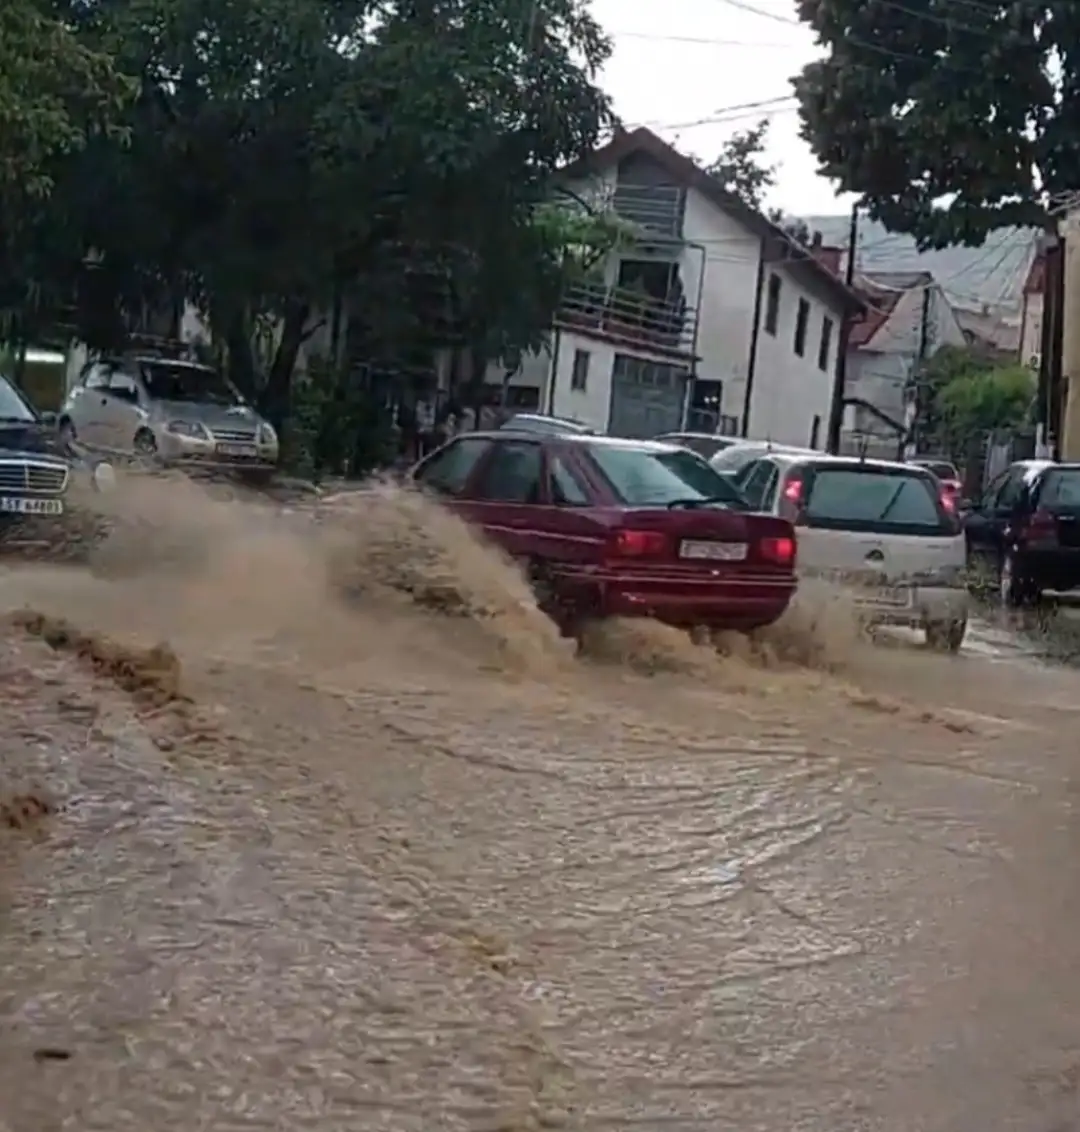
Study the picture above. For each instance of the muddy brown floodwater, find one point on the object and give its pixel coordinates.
(361, 845)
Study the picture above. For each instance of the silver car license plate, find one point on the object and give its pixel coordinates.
(20, 505)
(238, 450)
(713, 551)
(893, 596)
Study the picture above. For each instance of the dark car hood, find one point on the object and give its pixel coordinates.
(30, 440)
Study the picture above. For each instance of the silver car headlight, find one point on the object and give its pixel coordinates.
(192, 429)
(267, 436)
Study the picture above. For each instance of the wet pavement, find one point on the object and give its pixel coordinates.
(390, 895)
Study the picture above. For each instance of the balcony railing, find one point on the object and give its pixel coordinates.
(656, 208)
(629, 317)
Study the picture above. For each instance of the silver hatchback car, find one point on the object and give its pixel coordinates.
(167, 411)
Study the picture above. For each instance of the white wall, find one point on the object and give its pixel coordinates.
(790, 391)
(880, 371)
(592, 405)
(1031, 331)
(726, 318)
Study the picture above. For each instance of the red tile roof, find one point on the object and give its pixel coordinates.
(828, 256)
(879, 306)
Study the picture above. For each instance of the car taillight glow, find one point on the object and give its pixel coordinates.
(780, 551)
(793, 490)
(948, 500)
(1041, 527)
(639, 544)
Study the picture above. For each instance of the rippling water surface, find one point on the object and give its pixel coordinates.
(364, 845)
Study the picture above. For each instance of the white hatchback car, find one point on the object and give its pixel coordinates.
(886, 528)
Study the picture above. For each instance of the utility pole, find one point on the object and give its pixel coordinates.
(839, 389)
(916, 389)
(1048, 407)
(1069, 445)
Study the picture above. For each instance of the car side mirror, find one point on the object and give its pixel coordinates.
(48, 419)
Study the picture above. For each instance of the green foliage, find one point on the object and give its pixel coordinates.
(947, 123)
(284, 157)
(966, 394)
(994, 399)
(740, 166)
(55, 92)
(336, 427)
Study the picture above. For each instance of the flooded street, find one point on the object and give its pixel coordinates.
(353, 867)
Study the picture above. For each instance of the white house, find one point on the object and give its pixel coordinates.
(908, 318)
(714, 318)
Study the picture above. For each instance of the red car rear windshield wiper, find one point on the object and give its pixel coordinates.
(703, 501)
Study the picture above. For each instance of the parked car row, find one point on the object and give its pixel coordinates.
(1025, 529)
(607, 526)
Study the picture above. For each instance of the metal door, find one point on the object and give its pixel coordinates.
(647, 397)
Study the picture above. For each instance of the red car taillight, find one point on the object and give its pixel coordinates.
(778, 551)
(791, 499)
(1041, 527)
(638, 544)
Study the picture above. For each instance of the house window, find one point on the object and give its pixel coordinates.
(826, 342)
(802, 321)
(579, 377)
(772, 304)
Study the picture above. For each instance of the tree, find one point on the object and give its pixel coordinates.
(967, 393)
(978, 403)
(286, 156)
(54, 92)
(740, 167)
(947, 123)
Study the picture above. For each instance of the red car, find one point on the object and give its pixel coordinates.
(608, 527)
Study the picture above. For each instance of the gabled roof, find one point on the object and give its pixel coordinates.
(782, 248)
(882, 291)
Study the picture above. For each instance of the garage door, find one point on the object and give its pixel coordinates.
(647, 397)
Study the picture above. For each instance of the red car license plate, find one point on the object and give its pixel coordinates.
(713, 551)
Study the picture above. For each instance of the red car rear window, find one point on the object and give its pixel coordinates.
(643, 478)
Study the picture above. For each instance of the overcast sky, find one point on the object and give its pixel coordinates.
(679, 62)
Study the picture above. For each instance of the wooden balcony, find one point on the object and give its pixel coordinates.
(629, 318)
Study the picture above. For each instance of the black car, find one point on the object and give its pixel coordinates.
(705, 444)
(36, 467)
(1027, 524)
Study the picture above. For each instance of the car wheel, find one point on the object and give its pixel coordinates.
(145, 446)
(946, 636)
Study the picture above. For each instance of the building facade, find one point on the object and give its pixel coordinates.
(711, 318)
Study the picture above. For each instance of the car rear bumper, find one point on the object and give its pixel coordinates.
(1056, 568)
(924, 605)
(746, 602)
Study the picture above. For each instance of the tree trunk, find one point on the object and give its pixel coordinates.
(237, 335)
(278, 392)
